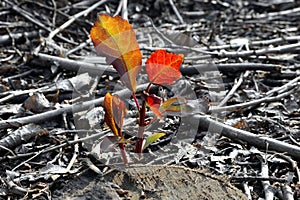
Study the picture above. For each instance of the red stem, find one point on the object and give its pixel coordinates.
(148, 87)
(122, 148)
(136, 101)
(124, 157)
(139, 143)
(142, 123)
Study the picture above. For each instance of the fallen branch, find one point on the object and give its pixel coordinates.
(228, 67)
(42, 117)
(287, 48)
(18, 136)
(205, 122)
(72, 65)
(75, 65)
(19, 37)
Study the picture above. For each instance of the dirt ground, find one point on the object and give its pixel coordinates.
(153, 182)
(238, 139)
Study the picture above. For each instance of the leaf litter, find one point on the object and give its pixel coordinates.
(234, 33)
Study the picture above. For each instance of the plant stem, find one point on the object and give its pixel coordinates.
(122, 147)
(142, 123)
(139, 143)
(136, 101)
(148, 87)
(124, 157)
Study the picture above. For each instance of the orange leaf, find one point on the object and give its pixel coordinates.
(153, 102)
(114, 38)
(115, 111)
(163, 68)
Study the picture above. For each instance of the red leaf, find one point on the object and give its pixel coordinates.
(163, 68)
(115, 111)
(114, 38)
(153, 102)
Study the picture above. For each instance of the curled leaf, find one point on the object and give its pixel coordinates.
(153, 138)
(115, 111)
(153, 102)
(175, 104)
(163, 68)
(114, 38)
(180, 106)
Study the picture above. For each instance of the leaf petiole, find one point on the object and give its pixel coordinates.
(148, 87)
(136, 101)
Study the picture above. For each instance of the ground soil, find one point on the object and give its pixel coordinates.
(151, 182)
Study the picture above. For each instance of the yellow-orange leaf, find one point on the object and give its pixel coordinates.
(152, 138)
(114, 38)
(175, 104)
(115, 111)
(180, 106)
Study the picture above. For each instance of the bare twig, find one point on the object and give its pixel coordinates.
(15, 189)
(15, 93)
(287, 192)
(176, 11)
(119, 8)
(75, 154)
(268, 189)
(32, 19)
(27, 15)
(73, 142)
(233, 89)
(258, 177)
(232, 54)
(162, 36)
(285, 87)
(271, 15)
(26, 161)
(279, 49)
(251, 103)
(54, 12)
(75, 65)
(246, 186)
(74, 17)
(69, 22)
(79, 47)
(124, 9)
